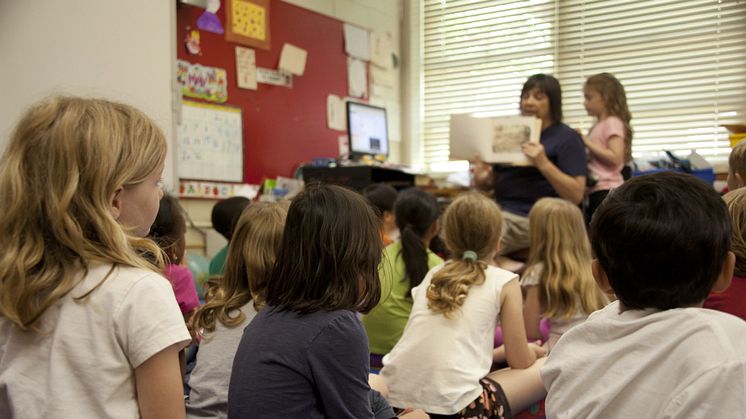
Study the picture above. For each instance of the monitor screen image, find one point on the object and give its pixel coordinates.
(366, 126)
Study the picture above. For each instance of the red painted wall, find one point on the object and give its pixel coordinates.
(282, 127)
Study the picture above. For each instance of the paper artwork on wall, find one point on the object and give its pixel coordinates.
(192, 42)
(343, 142)
(335, 113)
(380, 49)
(248, 23)
(357, 44)
(274, 77)
(382, 77)
(209, 20)
(357, 79)
(246, 68)
(198, 81)
(293, 59)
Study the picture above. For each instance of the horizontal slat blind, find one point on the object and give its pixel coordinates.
(683, 64)
(477, 54)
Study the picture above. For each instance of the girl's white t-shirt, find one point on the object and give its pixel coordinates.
(437, 364)
(82, 362)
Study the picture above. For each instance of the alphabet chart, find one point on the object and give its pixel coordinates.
(210, 143)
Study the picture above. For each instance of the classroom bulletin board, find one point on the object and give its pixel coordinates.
(282, 127)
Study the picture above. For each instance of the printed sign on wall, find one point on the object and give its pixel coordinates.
(202, 82)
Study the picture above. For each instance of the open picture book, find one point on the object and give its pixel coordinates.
(495, 139)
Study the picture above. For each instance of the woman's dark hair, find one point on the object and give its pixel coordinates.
(169, 228)
(329, 256)
(382, 196)
(549, 86)
(225, 214)
(415, 211)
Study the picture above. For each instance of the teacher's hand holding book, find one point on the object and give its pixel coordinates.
(535, 152)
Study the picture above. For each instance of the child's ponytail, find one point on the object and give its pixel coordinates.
(472, 226)
(416, 211)
(450, 286)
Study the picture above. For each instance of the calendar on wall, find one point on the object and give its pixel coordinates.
(210, 143)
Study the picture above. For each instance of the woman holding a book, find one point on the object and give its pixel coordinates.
(557, 169)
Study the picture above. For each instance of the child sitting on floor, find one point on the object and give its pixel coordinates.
(234, 302)
(733, 299)
(382, 197)
(662, 244)
(558, 282)
(442, 362)
(305, 354)
(224, 217)
(405, 264)
(88, 327)
(169, 232)
(737, 167)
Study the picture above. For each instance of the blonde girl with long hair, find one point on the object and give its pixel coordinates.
(558, 282)
(232, 304)
(88, 328)
(609, 141)
(442, 362)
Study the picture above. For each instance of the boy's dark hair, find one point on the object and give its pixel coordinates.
(329, 256)
(662, 240)
(225, 213)
(169, 227)
(415, 211)
(382, 196)
(549, 86)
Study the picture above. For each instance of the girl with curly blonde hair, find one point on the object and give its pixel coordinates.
(88, 326)
(442, 362)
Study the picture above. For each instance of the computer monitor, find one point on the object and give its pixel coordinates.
(367, 129)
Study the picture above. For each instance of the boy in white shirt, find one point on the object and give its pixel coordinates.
(662, 244)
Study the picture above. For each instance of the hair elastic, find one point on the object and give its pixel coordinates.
(469, 255)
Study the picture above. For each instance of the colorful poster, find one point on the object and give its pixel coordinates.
(248, 23)
(246, 68)
(249, 19)
(202, 82)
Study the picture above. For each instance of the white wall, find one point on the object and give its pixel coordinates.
(120, 50)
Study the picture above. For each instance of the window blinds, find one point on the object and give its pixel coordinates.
(477, 54)
(683, 64)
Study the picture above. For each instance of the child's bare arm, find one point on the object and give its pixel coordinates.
(159, 389)
(517, 351)
(612, 155)
(532, 312)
